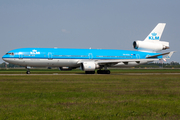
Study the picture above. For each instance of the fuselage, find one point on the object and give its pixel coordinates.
(60, 57)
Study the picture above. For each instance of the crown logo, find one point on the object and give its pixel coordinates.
(153, 34)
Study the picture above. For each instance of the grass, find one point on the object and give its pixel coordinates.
(77, 71)
(90, 97)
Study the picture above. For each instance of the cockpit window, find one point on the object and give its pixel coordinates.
(9, 53)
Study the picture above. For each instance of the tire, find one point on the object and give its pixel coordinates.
(107, 72)
(27, 72)
(103, 72)
(89, 72)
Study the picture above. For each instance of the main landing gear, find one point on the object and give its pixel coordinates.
(103, 72)
(98, 72)
(89, 72)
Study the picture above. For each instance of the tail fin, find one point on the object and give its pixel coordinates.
(156, 33)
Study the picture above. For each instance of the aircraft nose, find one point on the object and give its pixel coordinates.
(4, 58)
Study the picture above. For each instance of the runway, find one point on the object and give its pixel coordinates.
(92, 74)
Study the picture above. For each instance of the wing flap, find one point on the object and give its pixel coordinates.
(124, 61)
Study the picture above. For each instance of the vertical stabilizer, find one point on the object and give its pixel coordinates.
(156, 33)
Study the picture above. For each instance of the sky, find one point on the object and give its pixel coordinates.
(105, 24)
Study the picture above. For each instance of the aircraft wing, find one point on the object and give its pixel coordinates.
(115, 61)
(148, 59)
(107, 61)
(124, 61)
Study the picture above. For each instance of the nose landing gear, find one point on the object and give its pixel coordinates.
(28, 70)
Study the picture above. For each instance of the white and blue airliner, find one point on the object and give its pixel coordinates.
(90, 59)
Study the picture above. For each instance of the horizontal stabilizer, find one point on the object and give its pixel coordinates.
(168, 55)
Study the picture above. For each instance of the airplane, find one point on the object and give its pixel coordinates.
(89, 60)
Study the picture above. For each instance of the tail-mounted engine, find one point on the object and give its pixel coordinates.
(152, 46)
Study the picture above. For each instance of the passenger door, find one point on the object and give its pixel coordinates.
(50, 57)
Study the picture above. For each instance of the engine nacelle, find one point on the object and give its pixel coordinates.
(89, 66)
(150, 46)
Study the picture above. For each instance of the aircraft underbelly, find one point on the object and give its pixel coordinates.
(44, 62)
(52, 63)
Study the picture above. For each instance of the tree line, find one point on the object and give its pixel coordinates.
(9, 65)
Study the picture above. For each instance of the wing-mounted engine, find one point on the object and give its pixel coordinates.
(150, 46)
(89, 66)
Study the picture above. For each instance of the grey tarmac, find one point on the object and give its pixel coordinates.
(93, 74)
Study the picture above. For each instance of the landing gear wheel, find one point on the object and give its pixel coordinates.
(107, 72)
(89, 72)
(28, 72)
(103, 72)
(99, 71)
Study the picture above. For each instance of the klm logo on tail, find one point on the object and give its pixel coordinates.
(154, 36)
